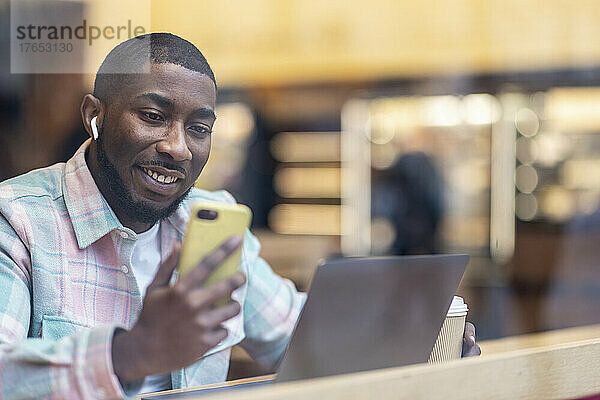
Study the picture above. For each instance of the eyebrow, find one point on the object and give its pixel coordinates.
(158, 99)
(162, 101)
(205, 113)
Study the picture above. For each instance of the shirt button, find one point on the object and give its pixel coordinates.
(101, 393)
(124, 235)
(125, 269)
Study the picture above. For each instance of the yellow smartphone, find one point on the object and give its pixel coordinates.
(210, 224)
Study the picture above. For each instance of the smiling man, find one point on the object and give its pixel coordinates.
(88, 248)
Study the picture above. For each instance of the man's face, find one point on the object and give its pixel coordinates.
(155, 140)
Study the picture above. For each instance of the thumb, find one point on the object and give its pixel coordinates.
(166, 269)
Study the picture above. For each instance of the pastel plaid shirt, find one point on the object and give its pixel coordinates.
(66, 283)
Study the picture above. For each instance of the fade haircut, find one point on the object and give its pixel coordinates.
(133, 55)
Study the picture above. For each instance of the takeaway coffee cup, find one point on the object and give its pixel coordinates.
(448, 345)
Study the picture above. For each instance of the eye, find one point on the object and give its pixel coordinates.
(152, 116)
(200, 130)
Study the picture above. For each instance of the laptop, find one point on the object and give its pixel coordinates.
(370, 313)
(363, 314)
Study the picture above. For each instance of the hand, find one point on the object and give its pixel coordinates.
(179, 323)
(470, 348)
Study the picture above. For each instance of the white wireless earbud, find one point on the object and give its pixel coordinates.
(94, 128)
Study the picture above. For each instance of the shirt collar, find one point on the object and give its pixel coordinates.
(90, 214)
(180, 218)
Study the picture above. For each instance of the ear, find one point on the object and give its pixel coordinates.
(91, 107)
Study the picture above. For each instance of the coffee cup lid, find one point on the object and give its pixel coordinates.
(458, 308)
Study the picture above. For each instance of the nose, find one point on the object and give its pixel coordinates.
(174, 144)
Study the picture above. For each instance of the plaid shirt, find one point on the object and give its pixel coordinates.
(66, 283)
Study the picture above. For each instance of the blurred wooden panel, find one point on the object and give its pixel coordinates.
(278, 42)
(305, 219)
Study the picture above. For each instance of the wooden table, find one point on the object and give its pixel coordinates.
(534, 340)
(563, 364)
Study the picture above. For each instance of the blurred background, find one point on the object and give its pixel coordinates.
(386, 127)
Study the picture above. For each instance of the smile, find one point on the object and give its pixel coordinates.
(165, 179)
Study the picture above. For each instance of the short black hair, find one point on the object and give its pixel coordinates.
(131, 56)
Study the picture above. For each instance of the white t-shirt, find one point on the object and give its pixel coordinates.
(145, 262)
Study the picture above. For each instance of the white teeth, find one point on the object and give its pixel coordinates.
(160, 178)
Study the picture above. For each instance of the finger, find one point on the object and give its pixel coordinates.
(212, 338)
(471, 351)
(212, 319)
(469, 335)
(205, 297)
(166, 269)
(203, 269)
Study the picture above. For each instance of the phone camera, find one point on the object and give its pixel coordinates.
(207, 214)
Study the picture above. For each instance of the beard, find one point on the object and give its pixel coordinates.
(136, 210)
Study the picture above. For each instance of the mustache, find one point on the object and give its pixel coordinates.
(167, 165)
